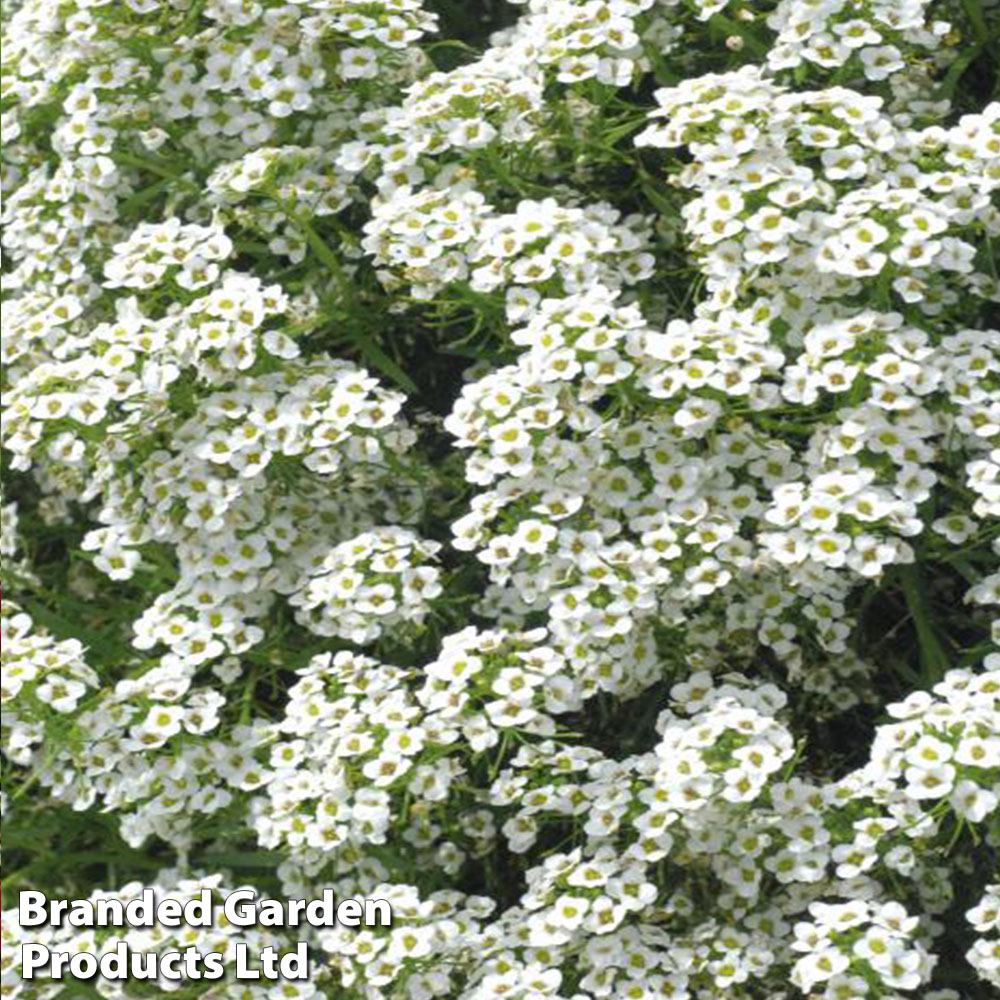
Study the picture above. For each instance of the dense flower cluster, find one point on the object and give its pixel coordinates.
(40, 675)
(985, 953)
(370, 584)
(533, 461)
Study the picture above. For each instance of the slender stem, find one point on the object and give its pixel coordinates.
(934, 659)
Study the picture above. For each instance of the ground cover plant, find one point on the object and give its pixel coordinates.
(535, 462)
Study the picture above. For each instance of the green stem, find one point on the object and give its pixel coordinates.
(372, 352)
(128, 160)
(934, 658)
(980, 29)
(327, 257)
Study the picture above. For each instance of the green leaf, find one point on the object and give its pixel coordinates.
(754, 45)
(371, 351)
(380, 360)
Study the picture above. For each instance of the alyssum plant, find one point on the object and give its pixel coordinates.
(535, 463)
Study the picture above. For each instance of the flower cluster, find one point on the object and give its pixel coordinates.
(434, 237)
(42, 678)
(944, 749)
(984, 955)
(854, 940)
(369, 585)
